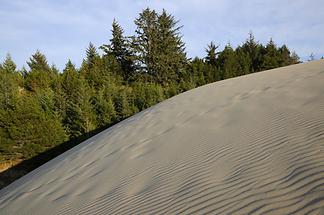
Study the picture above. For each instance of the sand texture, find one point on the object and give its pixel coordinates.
(247, 145)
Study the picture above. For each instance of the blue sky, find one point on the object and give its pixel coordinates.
(62, 29)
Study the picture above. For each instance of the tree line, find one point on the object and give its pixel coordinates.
(42, 107)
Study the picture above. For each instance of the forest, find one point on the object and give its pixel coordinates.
(42, 108)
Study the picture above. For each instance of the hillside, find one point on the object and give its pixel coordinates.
(252, 144)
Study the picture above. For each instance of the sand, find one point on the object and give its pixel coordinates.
(247, 145)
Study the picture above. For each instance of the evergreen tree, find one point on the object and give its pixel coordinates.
(212, 72)
(90, 68)
(9, 85)
(228, 63)
(211, 57)
(122, 105)
(27, 130)
(244, 61)
(145, 41)
(79, 118)
(158, 46)
(119, 47)
(171, 58)
(284, 59)
(40, 75)
(38, 62)
(59, 99)
(197, 68)
(253, 49)
(8, 65)
(147, 95)
(91, 55)
(104, 108)
(271, 56)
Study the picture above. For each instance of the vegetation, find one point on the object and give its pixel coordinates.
(41, 107)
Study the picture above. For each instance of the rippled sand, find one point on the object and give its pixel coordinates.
(248, 145)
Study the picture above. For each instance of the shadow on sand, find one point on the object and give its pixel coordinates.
(26, 166)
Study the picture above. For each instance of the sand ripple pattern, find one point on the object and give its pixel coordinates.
(248, 145)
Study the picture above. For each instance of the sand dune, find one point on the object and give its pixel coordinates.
(248, 145)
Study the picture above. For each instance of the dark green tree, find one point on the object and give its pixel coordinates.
(8, 65)
(147, 95)
(91, 66)
(196, 71)
(122, 104)
(145, 41)
(9, 84)
(91, 55)
(212, 71)
(104, 108)
(79, 118)
(27, 130)
(253, 50)
(40, 75)
(271, 58)
(119, 47)
(158, 46)
(228, 63)
(38, 62)
(212, 54)
(244, 61)
(171, 59)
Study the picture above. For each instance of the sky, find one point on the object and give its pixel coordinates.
(62, 29)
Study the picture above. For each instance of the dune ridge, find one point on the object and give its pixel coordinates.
(248, 145)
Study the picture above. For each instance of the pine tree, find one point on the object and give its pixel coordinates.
(38, 62)
(244, 61)
(147, 95)
(285, 59)
(196, 71)
(119, 47)
(228, 63)
(59, 99)
(9, 84)
(79, 118)
(158, 46)
(27, 130)
(171, 58)
(211, 70)
(271, 57)
(91, 55)
(145, 41)
(211, 57)
(253, 49)
(90, 68)
(40, 75)
(8, 65)
(122, 105)
(104, 108)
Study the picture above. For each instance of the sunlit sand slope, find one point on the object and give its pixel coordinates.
(248, 145)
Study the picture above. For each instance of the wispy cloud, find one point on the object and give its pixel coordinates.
(63, 29)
